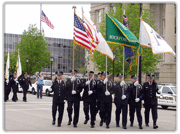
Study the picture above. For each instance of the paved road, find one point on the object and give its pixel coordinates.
(35, 115)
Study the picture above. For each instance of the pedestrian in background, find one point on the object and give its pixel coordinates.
(39, 80)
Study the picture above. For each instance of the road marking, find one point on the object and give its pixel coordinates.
(27, 109)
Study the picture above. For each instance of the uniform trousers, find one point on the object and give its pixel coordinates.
(105, 111)
(76, 105)
(90, 104)
(136, 107)
(123, 108)
(153, 111)
(60, 107)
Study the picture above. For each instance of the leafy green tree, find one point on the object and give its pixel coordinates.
(149, 61)
(32, 45)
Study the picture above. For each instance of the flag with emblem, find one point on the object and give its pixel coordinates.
(117, 33)
(18, 65)
(150, 38)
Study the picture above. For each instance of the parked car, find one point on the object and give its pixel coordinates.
(46, 89)
(167, 98)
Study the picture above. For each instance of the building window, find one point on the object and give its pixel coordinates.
(157, 76)
(163, 27)
(98, 14)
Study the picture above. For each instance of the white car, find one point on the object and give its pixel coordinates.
(167, 98)
(46, 88)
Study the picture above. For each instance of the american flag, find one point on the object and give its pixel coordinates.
(82, 35)
(45, 19)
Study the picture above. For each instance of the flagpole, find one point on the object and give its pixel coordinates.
(139, 57)
(89, 57)
(40, 15)
(123, 71)
(106, 72)
(73, 49)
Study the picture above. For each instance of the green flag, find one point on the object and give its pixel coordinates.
(117, 33)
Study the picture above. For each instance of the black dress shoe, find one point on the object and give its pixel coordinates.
(53, 122)
(75, 126)
(155, 126)
(107, 126)
(117, 125)
(92, 126)
(69, 123)
(101, 123)
(85, 122)
(124, 127)
(140, 127)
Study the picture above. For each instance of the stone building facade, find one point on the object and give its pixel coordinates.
(164, 16)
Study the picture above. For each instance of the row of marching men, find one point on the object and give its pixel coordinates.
(97, 98)
(13, 83)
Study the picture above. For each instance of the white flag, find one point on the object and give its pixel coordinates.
(7, 67)
(97, 38)
(18, 65)
(150, 38)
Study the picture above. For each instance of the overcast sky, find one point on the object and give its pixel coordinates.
(19, 16)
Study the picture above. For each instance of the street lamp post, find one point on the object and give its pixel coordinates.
(114, 56)
(51, 59)
(27, 60)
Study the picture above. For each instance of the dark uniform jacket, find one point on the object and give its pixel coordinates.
(149, 93)
(132, 93)
(77, 87)
(60, 91)
(13, 83)
(101, 89)
(118, 91)
(92, 86)
(25, 82)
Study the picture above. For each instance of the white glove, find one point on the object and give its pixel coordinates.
(159, 92)
(105, 80)
(64, 100)
(6, 81)
(73, 79)
(142, 101)
(90, 92)
(136, 83)
(73, 92)
(123, 97)
(137, 100)
(107, 93)
(88, 82)
(122, 83)
(17, 82)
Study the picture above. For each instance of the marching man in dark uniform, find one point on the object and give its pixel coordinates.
(99, 83)
(73, 98)
(7, 89)
(25, 82)
(135, 97)
(13, 81)
(121, 101)
(105, 96)
(60, 93)
(150, 88)
(89, 99)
